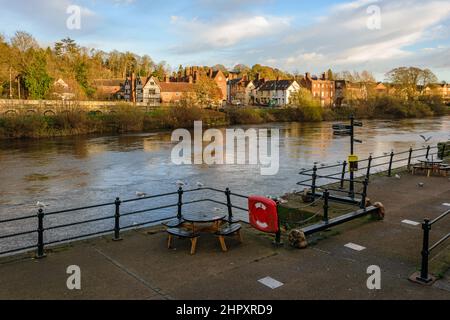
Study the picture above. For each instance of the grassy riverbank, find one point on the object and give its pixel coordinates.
(129, 119)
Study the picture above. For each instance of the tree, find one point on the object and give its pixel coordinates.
(36, 79)
(411, 81)
(23, 41)
(330, 74)
(206, 92)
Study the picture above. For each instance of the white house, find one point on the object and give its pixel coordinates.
(276, 92)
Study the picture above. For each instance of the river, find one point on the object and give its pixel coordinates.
(78, 171)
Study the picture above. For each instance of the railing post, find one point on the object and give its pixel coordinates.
(390, 164)
(180, 203)
(344, 167)
(40, 246)
(229, 205)
(326, 206)
(410, 158)
(424, 276)
(314, 180)
(428, 151)
(117, 220)
(364, 194)
(369, 167)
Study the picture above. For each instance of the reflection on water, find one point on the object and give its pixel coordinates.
(77, 171)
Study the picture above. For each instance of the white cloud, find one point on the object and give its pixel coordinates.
(203, 35)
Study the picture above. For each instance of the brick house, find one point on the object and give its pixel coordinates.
(239, 90)
(346, 91)
(321, 88)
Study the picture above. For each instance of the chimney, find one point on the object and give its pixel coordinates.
(324, 76)
(308, 76)
(210, 72)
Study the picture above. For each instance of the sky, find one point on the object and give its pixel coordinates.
(293, 35)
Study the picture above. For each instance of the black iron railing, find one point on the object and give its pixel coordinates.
(117, 206)
(366, 167)
(425, 277)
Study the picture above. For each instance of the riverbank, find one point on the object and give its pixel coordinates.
(127, 119)
(141, 266)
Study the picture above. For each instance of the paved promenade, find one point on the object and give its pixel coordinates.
(141, 267)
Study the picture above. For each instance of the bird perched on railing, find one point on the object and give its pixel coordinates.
(200, 185)
(41, 204)
(140, 194)
(181, 183)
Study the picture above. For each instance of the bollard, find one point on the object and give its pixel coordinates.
(428, 151)
(229, 205)
(369, 167)
(314, 178)
(180, 203)
(410, 158)
(40, 246)
(344, 167)
(390, 164)
(117, 221)
(424, 276)
(326, 196)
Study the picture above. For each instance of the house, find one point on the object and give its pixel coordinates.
(346, 91)
(108, 89)
(239, 91)
(439, 89)
(62, 91)
(321, 88)
(276, 92)
(155, 92)
(243, 91)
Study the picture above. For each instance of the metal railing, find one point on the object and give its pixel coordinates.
(364, 172)
(425, 277)
(117, 205)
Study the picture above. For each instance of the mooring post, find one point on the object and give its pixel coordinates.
(40, 245)
(364, 193)
(326, 206)
(369, 167)
(410, 158)
(424, 276)
(180, 203)
(428, 151)
(229, 205)
(390, 164)
(314, 179)
(117, 237)
(344, 167)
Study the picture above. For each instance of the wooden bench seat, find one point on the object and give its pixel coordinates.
(174, 223)
(181, 233)
(230, 230)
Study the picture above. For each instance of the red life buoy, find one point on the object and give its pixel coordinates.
(263, 214)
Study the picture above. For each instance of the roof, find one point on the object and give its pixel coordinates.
(276, 85)
(176, 87)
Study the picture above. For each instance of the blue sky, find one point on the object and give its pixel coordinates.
(292, 35)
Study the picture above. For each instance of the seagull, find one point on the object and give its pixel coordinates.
(397, 176)
(425, 138)
(421, 184)
(323, 165)
(41, 204)
(141, 194)
(199, 184)
(181, 183)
